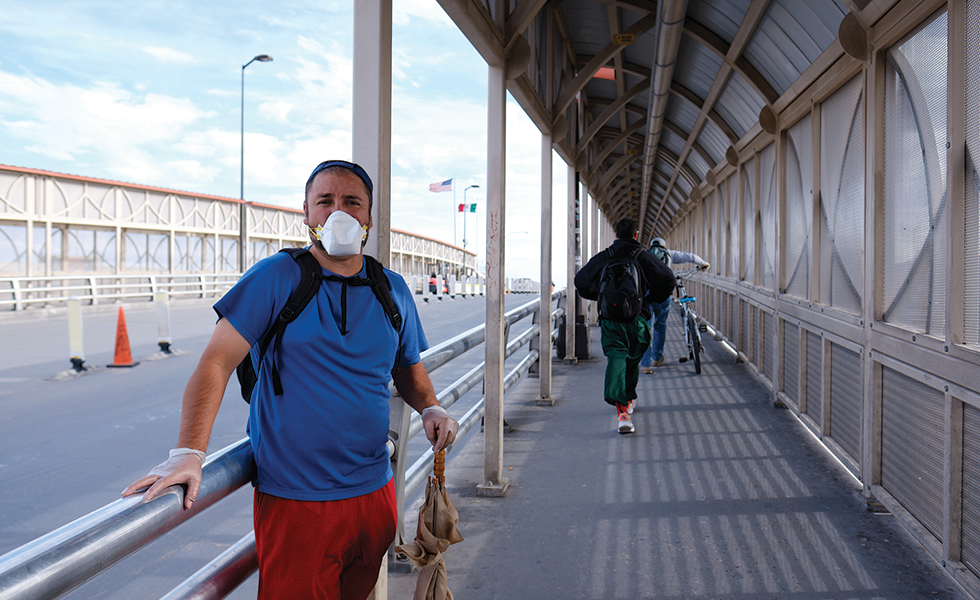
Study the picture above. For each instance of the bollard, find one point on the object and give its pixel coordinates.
(163, 321)
(75, 334)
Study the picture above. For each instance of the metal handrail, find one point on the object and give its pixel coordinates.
(60, 561)
(461, 386)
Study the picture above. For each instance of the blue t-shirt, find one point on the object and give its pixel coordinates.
(324, 437)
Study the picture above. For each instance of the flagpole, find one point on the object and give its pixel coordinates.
(454, 210)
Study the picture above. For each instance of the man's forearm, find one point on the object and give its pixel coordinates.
(206, 386)
(202, 399)
(415, 387)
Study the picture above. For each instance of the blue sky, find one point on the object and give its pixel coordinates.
(150, 93)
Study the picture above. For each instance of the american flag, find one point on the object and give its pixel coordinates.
(441, 186)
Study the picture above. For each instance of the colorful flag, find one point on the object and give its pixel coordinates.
(441, 186)
(473, 207)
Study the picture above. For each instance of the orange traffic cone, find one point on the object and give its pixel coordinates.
(123, 357)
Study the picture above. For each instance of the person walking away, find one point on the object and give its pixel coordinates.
(324, 503)
(654, 354)
(624, 280)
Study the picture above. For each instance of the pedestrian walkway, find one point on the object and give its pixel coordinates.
(717, 495)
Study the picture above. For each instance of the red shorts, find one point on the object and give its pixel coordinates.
(325, 550)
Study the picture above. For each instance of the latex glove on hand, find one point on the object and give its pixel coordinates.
(183, 467)
(440, 428)
(704, 266)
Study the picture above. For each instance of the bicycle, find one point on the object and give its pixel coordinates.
(692, 331)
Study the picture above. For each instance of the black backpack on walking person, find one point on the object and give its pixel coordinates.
(620, 296)
(298, 300)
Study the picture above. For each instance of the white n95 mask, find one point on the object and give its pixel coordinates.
(341, 235)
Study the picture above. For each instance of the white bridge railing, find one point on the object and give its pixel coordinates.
(20, 293)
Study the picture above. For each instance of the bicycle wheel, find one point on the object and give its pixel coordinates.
(692, 332)
(687, 334)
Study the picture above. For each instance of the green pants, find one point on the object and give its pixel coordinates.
(623, 344)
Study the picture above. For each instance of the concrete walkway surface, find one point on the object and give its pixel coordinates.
(717, 495)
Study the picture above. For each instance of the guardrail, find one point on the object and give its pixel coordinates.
(19, 293)
(58, 562)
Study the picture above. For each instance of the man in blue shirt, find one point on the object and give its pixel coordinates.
(654, 355)
(324, 500)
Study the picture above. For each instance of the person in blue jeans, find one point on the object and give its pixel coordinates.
(654, 355)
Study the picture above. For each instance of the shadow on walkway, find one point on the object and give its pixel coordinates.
(716, 495)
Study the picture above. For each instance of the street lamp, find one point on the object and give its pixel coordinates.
(243, 216)
(465, 208)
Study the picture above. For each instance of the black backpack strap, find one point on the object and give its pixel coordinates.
(382, 289)
(309, 283)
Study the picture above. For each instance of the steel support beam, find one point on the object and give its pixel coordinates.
(372, 114)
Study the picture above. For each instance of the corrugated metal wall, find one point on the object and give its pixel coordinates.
(971, 489)
(745, 329)
(912, 446)
(791, 362)
(768, 348)
(814, 377)
(845, 400)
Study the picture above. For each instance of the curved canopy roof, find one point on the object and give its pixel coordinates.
(650, 100)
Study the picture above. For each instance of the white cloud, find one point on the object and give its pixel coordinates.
(168, 54)
(404, 10)
(278, 111)
(66, 121)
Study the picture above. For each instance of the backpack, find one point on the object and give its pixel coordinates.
(620, 296)
(661, 253)
(310, 277)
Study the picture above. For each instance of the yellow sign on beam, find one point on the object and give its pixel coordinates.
(632, 151)
(622, 39)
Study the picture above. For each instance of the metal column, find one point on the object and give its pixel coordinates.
(544, 360)
(494, 483)
(372, 115)
(570, 310)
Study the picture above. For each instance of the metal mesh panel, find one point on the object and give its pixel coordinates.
(799, 208)
(733, 225)
(709, 227)
(791, 361)
(814, 376)
(748, 221)
(914, 274)
(971, 489)
(845, 400)
(767, 207)
(755, 338)
(842, 197)
(971, 274)
(912, 418)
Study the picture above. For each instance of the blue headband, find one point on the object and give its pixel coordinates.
(354, 168)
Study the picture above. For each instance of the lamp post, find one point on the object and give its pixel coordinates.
(243, 215)
(466, 207)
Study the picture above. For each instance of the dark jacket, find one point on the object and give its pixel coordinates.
(657, 280)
